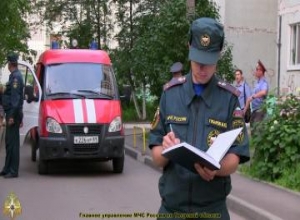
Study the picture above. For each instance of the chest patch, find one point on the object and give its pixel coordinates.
(15, 83)
(217, 123)
(177, 119)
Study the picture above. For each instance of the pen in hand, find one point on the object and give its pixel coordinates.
(173, 137)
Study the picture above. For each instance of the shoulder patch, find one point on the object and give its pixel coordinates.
(156, 119)
(229, 88)
(174, 82)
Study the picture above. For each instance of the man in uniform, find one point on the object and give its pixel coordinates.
(195, 111)
(259, 94)
(176, 70)
(12, 103)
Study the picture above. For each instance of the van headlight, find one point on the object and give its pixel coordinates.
(115, 125)
(53, 126)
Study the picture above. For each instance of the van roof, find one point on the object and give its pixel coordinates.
(74, 56)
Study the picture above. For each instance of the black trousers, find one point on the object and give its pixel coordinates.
(12, 146)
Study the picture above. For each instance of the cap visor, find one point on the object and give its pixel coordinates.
(203, 57)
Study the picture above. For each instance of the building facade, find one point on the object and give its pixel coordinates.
(251, 29)
(289, 53)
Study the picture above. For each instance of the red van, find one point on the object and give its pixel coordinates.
(80, 114)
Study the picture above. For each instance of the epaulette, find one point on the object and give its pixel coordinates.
(229, 88)
(174, 81)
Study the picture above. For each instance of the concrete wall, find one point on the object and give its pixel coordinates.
(251, 28)
(289, 10)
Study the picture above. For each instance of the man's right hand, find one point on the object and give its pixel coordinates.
(170, 140)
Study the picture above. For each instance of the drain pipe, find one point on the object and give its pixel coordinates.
(279, 55)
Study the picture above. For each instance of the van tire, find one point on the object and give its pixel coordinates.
(118, 164)
(43, 167)
(34, 146)
(33, 152)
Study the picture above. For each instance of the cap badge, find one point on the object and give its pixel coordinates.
(205, 40)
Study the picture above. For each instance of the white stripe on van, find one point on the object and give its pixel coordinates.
(78, 110)
(91, 111)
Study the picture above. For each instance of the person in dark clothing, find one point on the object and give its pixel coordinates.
(176, 70)
(197, 109)
(12, 101)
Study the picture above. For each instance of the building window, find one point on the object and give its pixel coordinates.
(295, 44)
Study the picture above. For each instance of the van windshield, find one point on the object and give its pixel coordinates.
(84, 79)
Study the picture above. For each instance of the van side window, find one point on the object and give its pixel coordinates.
(107, 81)
(29, 83)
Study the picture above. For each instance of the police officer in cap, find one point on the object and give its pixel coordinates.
(12, 104)
(259, 95)
(176, 70)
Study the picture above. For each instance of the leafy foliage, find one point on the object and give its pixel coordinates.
(80, 20)
(225, 67)
(155, 36)
(277, 144)
(14, 28)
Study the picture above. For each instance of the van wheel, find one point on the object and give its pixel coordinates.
(34, 144)
(118, 164)
(33, 152)
(43, 167)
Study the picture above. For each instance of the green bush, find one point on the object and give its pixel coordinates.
(130, 115)
(277, 144)
(290, 178)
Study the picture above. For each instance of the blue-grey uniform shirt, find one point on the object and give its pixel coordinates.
(245, 93)
(260, 85)
(12, 99)
(195, 119)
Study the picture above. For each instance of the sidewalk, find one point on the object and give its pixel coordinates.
(250, 198)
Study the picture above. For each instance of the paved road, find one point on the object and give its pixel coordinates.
(74, 188)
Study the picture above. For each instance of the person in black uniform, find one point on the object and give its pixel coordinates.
(12, 101)
(176, 70)
(195, 111)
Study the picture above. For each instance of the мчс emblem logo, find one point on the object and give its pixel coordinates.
(12, 206)
(211, 136)
(205, 40)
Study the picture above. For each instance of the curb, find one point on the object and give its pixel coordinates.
(235, 204)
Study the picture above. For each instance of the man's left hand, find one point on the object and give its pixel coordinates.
(205, 173)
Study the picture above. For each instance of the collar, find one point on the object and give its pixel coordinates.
(206, 94)
(261, 79)
(240, 84)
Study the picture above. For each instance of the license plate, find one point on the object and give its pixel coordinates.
(86, 139)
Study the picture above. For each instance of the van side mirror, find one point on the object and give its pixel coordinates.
(126, 93)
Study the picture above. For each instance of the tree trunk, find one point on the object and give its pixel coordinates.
(136, 105)
(144, 102)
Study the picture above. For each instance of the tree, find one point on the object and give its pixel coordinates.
(83, 20)
(14, 28)
(151, 38)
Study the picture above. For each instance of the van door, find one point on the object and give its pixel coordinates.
(32, 97)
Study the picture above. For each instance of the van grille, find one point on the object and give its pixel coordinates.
(78, 129)
(85, 149)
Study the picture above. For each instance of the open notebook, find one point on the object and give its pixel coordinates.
(187, 155)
